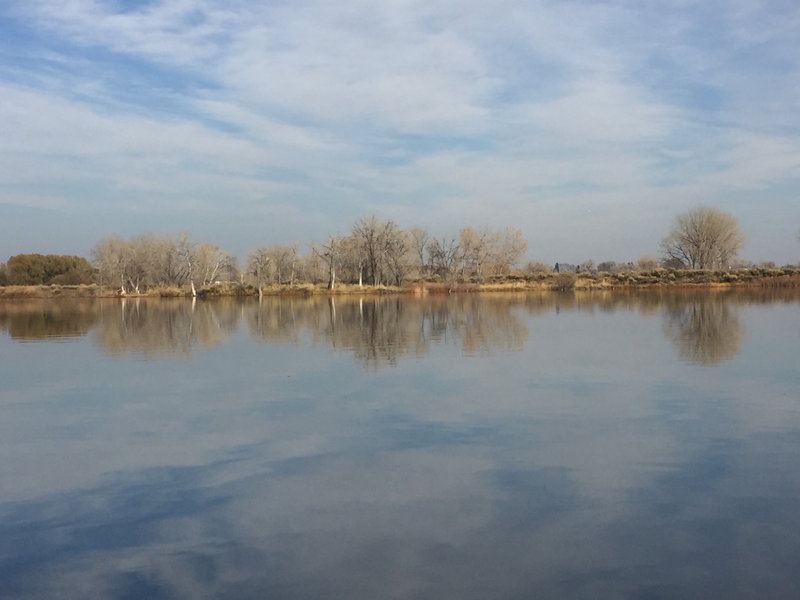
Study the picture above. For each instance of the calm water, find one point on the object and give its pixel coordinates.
(639, 446)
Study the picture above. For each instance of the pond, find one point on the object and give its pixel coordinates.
(641, 445)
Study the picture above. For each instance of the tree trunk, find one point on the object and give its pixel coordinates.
(331, 277)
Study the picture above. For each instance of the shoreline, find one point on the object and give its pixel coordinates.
(661, 279)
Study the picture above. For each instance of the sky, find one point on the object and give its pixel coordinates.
(588, 125)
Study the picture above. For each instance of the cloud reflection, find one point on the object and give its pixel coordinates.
(221, 477)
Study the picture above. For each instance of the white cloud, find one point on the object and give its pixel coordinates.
(439, 113)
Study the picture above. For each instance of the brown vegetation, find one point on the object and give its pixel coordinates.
(378, 256)
(786, 277)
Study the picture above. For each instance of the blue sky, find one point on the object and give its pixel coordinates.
(588, 125)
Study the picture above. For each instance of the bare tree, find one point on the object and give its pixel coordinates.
(258, 265)
(703, 238)
(210, 262)
(376, 239)
(311, 268)
(419, 239)
(136, 264)
(353, 258)
(331, 253)
(111, 257)
(397, 253)
(511, 247)
(444, 256)
(168, 259)
(186, 249)
(477, 248)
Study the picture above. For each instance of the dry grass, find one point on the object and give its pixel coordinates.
(48, 291)
(786, 277)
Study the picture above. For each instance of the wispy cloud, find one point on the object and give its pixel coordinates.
(609, 114)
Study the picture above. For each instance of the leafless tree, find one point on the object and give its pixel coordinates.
(111, 257)
(331, 253)
(419, 239)
(397, 253)
(311, 268)
(511, 248)
(477, 248)
(352, 261)
(210, 262)
(444, 255)
(703, 238)
(259, 264)
(380, 243)
(153, 260)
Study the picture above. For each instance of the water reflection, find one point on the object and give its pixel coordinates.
(380, 330)
(703, 331)
(170, 326)
(37, 319)
(703, 326)
(565, 458)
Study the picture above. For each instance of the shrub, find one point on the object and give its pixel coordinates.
(565, 281)
(47, 269)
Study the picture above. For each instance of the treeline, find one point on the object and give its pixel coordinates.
(377, 252)
(374, 252)
(159, 261)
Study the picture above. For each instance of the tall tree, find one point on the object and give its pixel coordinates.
(444, 256)
(331, 253)
(419, 240)
(376, 239)
(259, 264)
(511, 247)
(703, 238)
(111, 257)
(397, 253)
(478, 246)
(210, 262)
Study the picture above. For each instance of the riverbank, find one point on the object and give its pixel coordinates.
(657, 278)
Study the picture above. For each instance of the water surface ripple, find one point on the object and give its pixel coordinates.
(477, 446)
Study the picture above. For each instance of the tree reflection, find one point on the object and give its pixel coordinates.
(165, 326)
(705, 331)
(36, 319)
(378, 330)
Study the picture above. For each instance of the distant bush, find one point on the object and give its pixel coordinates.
(536, 267)
(566, 281)
(48, 269)
(647, 263)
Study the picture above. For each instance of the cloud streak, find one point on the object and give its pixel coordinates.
(321, 113)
